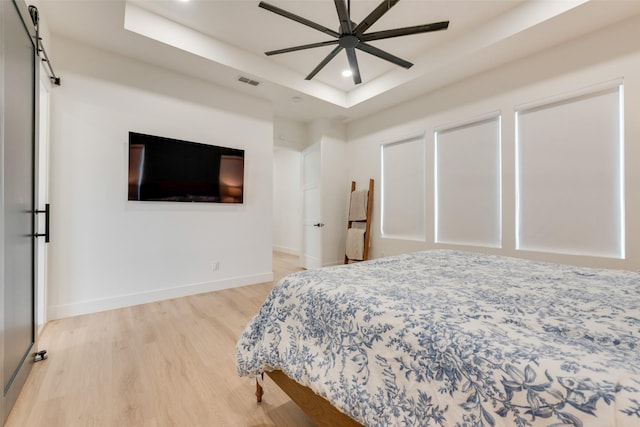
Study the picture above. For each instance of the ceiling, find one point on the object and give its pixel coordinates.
(222, 40)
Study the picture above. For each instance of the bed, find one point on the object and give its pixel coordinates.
(451, 338)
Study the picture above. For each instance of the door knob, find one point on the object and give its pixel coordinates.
(318, 225)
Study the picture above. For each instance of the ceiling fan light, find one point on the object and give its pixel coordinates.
(347, 73)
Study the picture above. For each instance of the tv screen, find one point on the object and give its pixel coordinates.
(171, 170)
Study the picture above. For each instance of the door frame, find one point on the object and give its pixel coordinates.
(41, 194)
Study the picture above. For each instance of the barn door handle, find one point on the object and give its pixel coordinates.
(318, 225)
(46, 212)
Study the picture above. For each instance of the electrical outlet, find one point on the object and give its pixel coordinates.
(216, 266)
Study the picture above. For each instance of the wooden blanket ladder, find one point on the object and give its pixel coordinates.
(356, 236)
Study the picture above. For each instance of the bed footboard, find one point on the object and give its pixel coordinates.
(316, 407)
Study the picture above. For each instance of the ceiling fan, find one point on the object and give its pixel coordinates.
(352, 36)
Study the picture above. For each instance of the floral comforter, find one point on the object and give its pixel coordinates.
(448, 338)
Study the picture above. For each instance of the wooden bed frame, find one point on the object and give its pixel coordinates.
(323, 413)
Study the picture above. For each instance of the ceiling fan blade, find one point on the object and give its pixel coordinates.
(384, 55)
(343, 15)
(353, 64)
(299, 19)
(324, 62)
(301, 47)
(418, 29)
(374, 16)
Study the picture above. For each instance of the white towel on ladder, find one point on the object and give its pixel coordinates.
(358, 205)
(355, 243)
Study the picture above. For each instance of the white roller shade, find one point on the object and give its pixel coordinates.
(570, 175)
(403, 183)
(468, 188)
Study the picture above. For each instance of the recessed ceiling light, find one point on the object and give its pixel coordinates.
(347, 73)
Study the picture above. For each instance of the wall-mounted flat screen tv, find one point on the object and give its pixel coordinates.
(172, 170)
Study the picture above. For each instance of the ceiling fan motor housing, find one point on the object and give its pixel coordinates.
(348, 41)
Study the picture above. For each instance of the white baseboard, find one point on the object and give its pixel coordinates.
(128, 300)
(286, 250)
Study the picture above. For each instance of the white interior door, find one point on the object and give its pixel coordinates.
(311, 255)
(335, 200)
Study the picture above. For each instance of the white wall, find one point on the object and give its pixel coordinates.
(106, 252)
(600, 57)
(287, 200)
(289, 133)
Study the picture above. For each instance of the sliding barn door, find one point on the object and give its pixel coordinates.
(18, 128)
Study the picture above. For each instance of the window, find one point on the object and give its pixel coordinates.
(569, 172)
(403, 181)
(467, 184)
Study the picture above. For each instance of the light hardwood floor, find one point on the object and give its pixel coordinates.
(170, 363)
